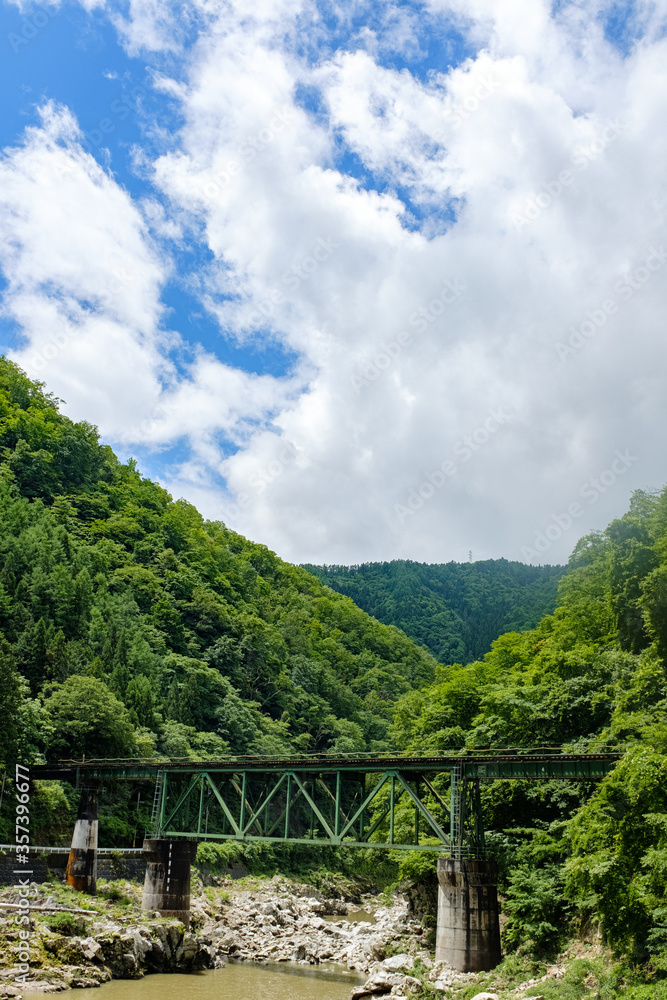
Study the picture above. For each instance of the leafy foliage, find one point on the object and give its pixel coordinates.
(87, 720)
(454, 609)
(129, 625)
(592, 675)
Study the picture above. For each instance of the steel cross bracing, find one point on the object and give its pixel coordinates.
(402, 803)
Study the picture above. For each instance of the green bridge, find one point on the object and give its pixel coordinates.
(409, 803)
(350, 801)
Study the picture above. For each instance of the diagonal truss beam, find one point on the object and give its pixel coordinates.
(311, 803)
(426, 813)
(223, 805)
(245, 805)
(364, 805)
(261, 808)
(194, 781)
(284, 814)
(436, 795)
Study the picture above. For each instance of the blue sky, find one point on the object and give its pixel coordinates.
(75, 60)
(292, 257)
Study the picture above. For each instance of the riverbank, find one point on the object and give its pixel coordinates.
(267, 922)
(253, 920)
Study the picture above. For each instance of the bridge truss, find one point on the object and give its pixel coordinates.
(401, 803)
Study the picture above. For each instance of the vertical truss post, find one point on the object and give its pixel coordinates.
(337, 816)
(480, 842)
(244, 782)
(187, 810)
(201, 802)
(417, 813)
(312, 812)
(457, 808)
(392, 803)
(362, 783)
(287, 804)
(452, 807)
(163, 804)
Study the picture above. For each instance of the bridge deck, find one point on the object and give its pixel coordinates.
(423, 802)
(511, 763)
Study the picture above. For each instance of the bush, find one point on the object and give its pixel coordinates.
(536, 911)
(63, 923)
(219, 856)
(113, 891)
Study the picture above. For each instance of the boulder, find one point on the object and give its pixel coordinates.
(397, 962)
(91, 949)
(377, 984)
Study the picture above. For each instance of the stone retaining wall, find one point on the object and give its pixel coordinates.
(108, 867)
(42, 867)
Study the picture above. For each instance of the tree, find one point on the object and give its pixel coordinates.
(10, 700)
(88, 721)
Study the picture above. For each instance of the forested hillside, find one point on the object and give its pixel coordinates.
(131, 625)
(591, 676)
(454, 609)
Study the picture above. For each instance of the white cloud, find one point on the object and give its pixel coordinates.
(84, 283)
(83, 280)
(490, 134)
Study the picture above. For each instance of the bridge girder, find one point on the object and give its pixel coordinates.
(426, 803)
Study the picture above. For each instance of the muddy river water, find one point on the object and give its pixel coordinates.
(243, 981)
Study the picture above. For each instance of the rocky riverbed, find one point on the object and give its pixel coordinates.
(255, 920)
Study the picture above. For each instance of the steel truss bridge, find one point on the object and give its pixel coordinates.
(416, 803)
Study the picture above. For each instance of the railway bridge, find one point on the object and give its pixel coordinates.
(380, 801)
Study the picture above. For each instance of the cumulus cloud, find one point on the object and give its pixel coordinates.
(552, 205)
(84, 281)
(469, 264)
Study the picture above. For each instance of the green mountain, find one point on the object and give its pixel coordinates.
(591, 676)
(454, 609)
(135, 625)
(129, 625)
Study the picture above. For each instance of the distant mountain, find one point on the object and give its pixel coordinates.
(454, 609)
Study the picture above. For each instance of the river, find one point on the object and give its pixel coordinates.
(238, 981)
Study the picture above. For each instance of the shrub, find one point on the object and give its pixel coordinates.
(63, 923)
(113, 891)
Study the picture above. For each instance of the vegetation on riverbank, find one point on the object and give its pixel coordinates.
(592, 676)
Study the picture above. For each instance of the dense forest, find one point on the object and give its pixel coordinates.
(132, 626)
(591, 676)
(454, 609)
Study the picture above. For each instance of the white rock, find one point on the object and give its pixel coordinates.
(91, 949)
(397, 962)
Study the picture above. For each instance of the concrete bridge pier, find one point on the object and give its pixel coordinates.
(82, 861)
(167, 881)
(468, 934)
